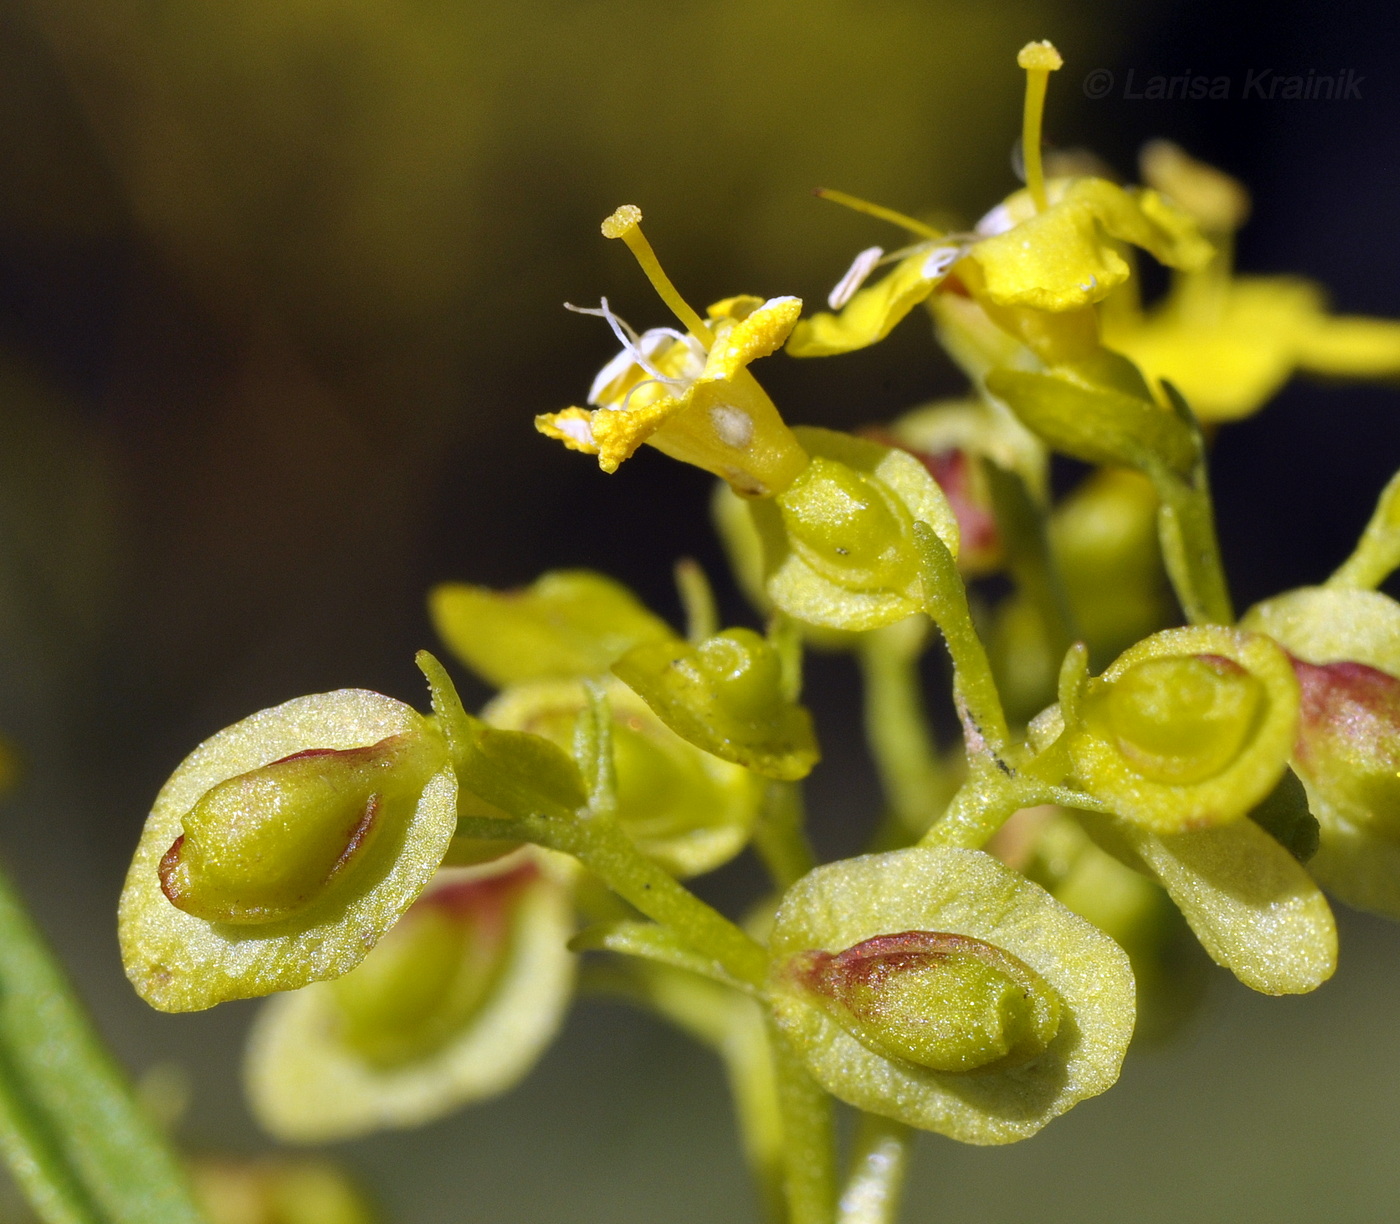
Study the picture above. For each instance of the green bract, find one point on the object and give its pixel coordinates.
(566, 623)
(1347, 646)
(1255, 910)
(1189, 728)
(455, 1004)
(963, 963)
(725, 696)
(838, 544)
(685, 808)
(295, 881)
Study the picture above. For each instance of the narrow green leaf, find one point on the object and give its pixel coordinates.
(72, 1133)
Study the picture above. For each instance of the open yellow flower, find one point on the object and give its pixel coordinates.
(1052, 247)
(1229, 343)
(689, 394)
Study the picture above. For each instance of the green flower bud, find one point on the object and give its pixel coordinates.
(262, 846)
(965, 999)
(684, 807)
(1346, 648)
(1189, 728)
(277, 1190)
(945, 1002)
(725, 696)
(455, 1004)
(566, 623)
(283, 848)
(838, 543)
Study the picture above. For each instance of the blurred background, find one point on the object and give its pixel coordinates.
(280, 291)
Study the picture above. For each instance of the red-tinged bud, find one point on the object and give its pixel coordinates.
(431, 973)
(1348, 745)
(947, 1002)
(957, 475)
(261, 846)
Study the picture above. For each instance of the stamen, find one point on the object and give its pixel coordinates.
(630, 341)
(861, 267)
(878, 210)
(626, 223)
(1039, 59)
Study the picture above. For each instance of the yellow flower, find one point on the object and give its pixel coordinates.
(1053, 247)
(1229, 343)
(689, 393)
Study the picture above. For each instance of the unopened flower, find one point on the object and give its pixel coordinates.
(282, 848)
(939, 988)
(455, 1004)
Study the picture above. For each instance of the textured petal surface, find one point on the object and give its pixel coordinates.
(178, 962)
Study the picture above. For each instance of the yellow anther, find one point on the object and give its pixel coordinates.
(917, 228)
(1039, 59)
(626, 223)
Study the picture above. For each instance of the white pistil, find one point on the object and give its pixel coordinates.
(860, 268)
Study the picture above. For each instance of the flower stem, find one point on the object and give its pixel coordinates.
(896, 725)
(945, 600)
(778, 836)
(809, 1139)
(878, 1165)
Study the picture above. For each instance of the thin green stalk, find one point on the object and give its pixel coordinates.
(604, 848)
(945, 600)
(74, 1137)
(1377, 553)
(879, 1162)
(896, 726)
(698, 600)
(778, 836)
(1186, 525)
(809, 1138)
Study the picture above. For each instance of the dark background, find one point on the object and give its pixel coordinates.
(280, 290)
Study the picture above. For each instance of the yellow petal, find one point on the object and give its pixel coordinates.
(1063, 259)
(758, 333)
(872, 313)
(1351, 346)
(573, 427)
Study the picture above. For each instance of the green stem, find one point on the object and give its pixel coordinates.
(990, 797)
(1186, 525)
(878, 1165)
(945, 600)
(698, 600)
(74, 1138)
(602, 846)
(896, 726)
(1377, 553)
(809, 1138)
(778, 836)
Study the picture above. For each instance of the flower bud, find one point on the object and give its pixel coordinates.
(1345, 645)
(946, 1002)
(965, 1000)
(684, 807)
(725, 696)
(277, 1190)
(284, 847)
(456, 1003)
(838, 543)
(262, 846)
(566, 623)
(1189, 728)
